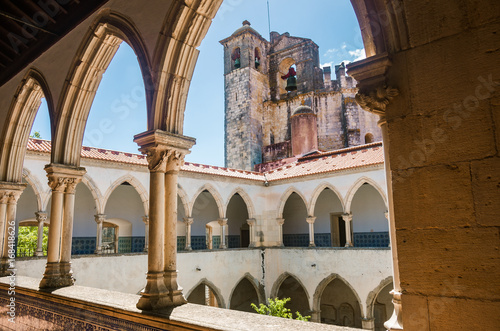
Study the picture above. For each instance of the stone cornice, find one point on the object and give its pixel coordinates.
(371, 74)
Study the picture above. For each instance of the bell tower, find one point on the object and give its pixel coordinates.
(246, 87)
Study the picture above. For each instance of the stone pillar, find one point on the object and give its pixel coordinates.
(315, 316)
(311, 220)
(280, 222)
(63, 180)
(41, 218)
(223, 224)
(188, 221)
(165, 154)
(368, 323)
(99, 219)
(348, 229)
(374, 95)
(145, 219)
(209, 236)
(251, 230)
(386, 214)
(9, 195)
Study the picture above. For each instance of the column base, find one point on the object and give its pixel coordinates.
(39, 253)
(188, 248)
(57, 275)
(145, 249)
(222, 246)
(175, 291)
(4, 268)
(156, 295)
(368, 323)
(396, 320)
(312, 245)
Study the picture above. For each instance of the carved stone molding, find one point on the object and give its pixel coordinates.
(376, 100)
(10, 192)
(100, 218)
(374, 91)
(64, 178)
(41, 216)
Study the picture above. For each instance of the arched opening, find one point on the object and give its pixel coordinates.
(383, 307)
(181, 227)
(205, 212)
(329, 227)
(287, 68)
(204, 294)
(27, 225)
(130, 238)
(244, 294)
(339, 305)
(369, 138)
(238, 229)
(291, 288)
(295, 228)
(369, 224)
(84, 226)
(257, 59)
(236, 58)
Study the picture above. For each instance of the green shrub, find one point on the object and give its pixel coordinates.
(276, 307)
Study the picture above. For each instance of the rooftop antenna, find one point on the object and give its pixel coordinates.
(268, 18)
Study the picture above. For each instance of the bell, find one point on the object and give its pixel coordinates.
(291, 84)
(257, 63)
(237, 63)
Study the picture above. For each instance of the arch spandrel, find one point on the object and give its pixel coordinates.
(284, 199)
(354, 188)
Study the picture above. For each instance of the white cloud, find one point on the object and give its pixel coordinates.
(345, 53)
(358, 54)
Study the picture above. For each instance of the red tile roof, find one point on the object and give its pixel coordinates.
(321, 162)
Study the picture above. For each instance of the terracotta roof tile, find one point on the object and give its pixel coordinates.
(317, 163)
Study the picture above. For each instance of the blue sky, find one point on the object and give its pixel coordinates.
(119, 112)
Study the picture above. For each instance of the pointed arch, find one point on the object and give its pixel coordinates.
(215, 194)
(17, 127)
(317, 192)
(322, 286)
(136, 184)
(372, 296)
(286, 195)
(354, 188)
(246, 198)
(215, 290)
(259, 289)
(184, 199)
(96, 193)
(175, 58)
(92, 59)
(36, 186)
(281, 279)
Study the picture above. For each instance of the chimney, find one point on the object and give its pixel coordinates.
(327, 74)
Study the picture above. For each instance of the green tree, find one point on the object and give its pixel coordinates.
(27, 240)
(276, 307)
(36, 135)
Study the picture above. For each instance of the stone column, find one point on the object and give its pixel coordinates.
(9, 195)
(41, 218)
(99, 219)
(188, 221)
(348, 229)
(223, 224)
(63, 180)
(209, 236)
(280, 222)
(251, 230)
(311, 220)
(368, 323)
(145, 219)
(165, 155)
(374, 95)
(386, 214)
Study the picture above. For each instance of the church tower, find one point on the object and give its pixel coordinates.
(246, 87)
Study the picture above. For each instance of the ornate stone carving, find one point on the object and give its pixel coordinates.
(376, 100)
(41, 216)
(99, 218)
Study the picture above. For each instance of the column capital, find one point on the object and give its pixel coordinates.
(41, 216)
(251, 221)
(222, 221)
(347, 217)
(188, 220)
(64, 178)
(164, 151)
(145, 219)
(280, 221)
(311, 219)
(371, 73)
(100, 218)
(386, 214)
(10, 192)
